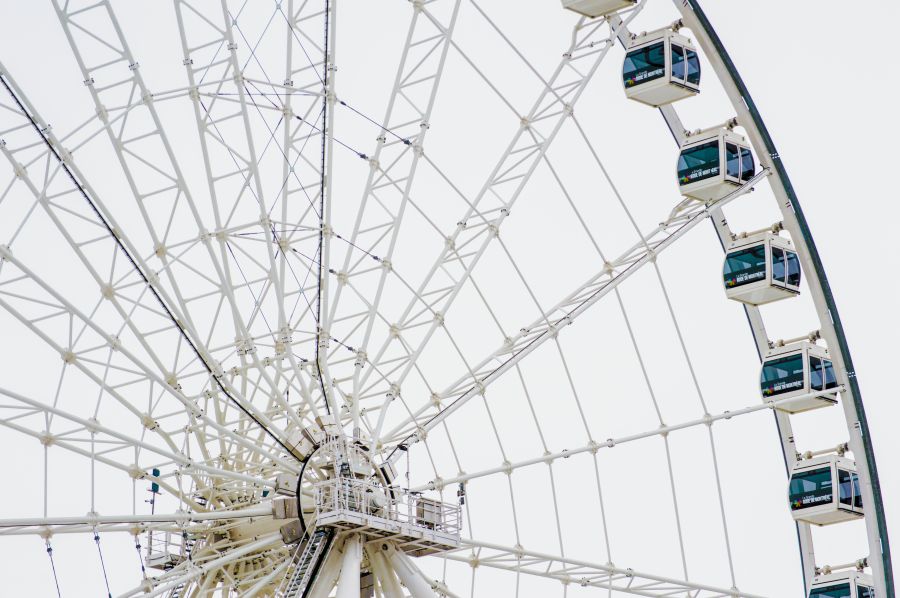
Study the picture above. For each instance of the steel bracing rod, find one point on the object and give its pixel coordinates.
(326, 384)
(267, 581)
(128, 153)
(394, 163)
(101, 528)
(831, 327)
(198, 570)
(150, 281)
(206, 554)
(252, 159)
(244, 159)
(757, 329)
(94, 428)
(594, 446)
(180, 518)
(502, 188)
(563, 314)
(296, 140)
(77, 248)
(584, 573)
(102, 459)
(194, 412)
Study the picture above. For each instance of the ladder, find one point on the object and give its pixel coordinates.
(305, 564)
(176, 591)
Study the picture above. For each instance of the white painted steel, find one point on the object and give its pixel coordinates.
(410, 575)
(792, 225)
(348, 582)
(387, 579)
(244, 324)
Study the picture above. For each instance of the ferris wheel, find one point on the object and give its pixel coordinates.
(400, 328)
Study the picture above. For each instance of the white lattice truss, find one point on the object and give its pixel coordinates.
(212, 391)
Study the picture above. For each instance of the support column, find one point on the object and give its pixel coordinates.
(348, 583)
(409, 574)
(384, 573)
(328, 575)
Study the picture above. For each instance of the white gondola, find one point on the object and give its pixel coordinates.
(798, 369)
(761, 268)
(714, 163)
(825, 490)
(597, 8)
(660, 68)
(842, 585)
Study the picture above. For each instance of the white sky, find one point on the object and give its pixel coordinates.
(823, 80)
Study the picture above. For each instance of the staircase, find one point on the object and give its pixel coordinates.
(305, 564)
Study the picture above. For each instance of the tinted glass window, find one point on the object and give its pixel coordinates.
(815, 373)
(845, 486)
(841, 590)
(698, 163)
(693, 67)
(747, 166)
(745, 266)
(678, 62)
(644, 64)
(781, 375)
(811, 489)
(865, 592)
(849, 488)
(793, 269)
(732, 161)
(778, 266)
(830, 380)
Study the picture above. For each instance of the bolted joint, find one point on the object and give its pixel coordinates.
(148, 422)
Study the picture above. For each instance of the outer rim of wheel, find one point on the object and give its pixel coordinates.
(885, 575)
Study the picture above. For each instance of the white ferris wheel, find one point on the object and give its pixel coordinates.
(400, 329)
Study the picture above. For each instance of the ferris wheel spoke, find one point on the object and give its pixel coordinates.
(233, 179)
(468, 243)
(393, 167)
(208, 564)
(83, 340)
(139, 141)
(584, 573)
(125, 523)
(594, 446)
(302, 175)
(683, 219)
(98, 354)
(134, 157)
(29, 416)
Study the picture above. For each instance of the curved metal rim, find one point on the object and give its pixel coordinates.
(825, 288)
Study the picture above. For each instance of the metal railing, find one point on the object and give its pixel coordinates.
(167, 549)
(411, 508)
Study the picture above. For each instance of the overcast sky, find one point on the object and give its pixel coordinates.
(824, 82)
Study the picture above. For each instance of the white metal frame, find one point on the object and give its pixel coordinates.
(227, 393)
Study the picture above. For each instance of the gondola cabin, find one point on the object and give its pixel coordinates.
(660, 68)
(760, 269)
(597, 8)
(794, 370)
(825, 490)
(842, 585)
(713, 164)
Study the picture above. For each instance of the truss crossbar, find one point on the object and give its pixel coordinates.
(585, 574)
(481, 222)
(563, 314)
